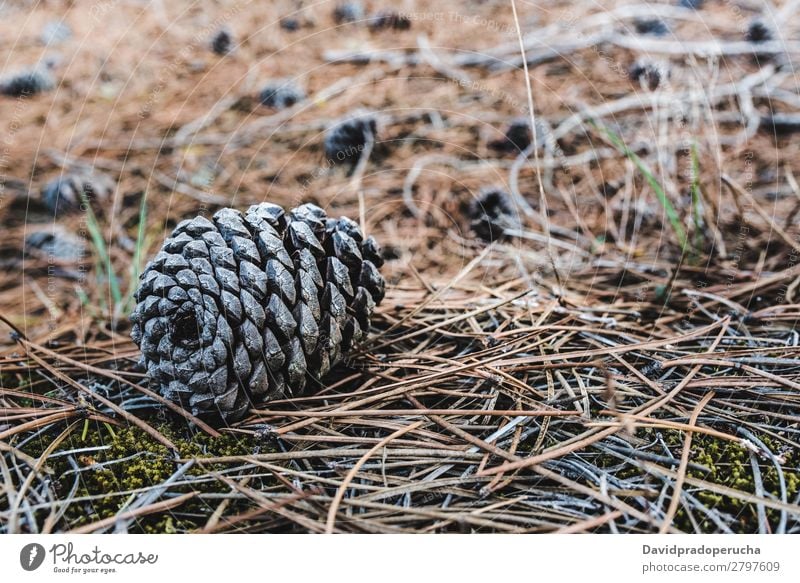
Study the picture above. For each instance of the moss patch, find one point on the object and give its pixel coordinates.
(119, 461)
(729, 465)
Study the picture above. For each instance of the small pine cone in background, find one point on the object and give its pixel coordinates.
(55, 32)
(610, 188)
(346, 140)
(55, 243)
(780, 123)
(222, 42)
(281, 94)
(384, 19)
(253, 306)
(348, 12)
(758, 32)
(62, 195)
(518, 135)
(28, 82)
(653, 26)
(290, 24)
(492, 214)
(648, 73)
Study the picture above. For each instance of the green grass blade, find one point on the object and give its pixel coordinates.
(104, 258)
(663, 199)
(697, 215)
(138, 253)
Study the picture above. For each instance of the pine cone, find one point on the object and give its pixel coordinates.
(63, 194)
(55, 32)
(518, 135)
(281, 94)
(389, 19)
(758, 32)
(346, 140)
(254, 306)
(348, 12)
(653, 26)
(222, 42)
(290, 24)
(650, 74)
(492, 214)
(28, 82)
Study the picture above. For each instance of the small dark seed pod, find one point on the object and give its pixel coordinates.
(348, 12)
(652, 370)
(346, 140)
(654, 26)
(610, 188)
(55, 243)
(518, 137)
(62, 195)
(781, 123)
(758, 32)
(247, 307)
(28, 82)
(290, 24)
(384, 19)
(492, 214)
(648, 73)
(281, 94)
(222, 42)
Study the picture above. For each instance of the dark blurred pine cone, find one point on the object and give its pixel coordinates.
(55, 243)
(758, 32)
(492, 214)
(348, 12)
(222, 42)
(518, 135)
(610, 188)
(346, 140)
(281, 94)
(255, 306)
(780, 123)
(389, 19)
(55, 32)
(28, 82)
(649, 74)
(654, 26)
(62, 195)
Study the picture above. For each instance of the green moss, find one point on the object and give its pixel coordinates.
(729, 465)
(726, 464)
(133, 460)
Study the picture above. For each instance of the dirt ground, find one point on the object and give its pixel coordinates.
(625, 360)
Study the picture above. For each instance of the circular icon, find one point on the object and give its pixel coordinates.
(31, 556)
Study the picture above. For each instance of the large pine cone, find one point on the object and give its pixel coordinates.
(254, 306)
